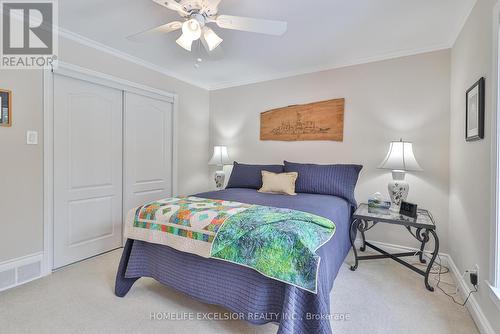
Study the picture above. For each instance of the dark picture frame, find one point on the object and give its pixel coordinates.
(5, 107)
(474, 111)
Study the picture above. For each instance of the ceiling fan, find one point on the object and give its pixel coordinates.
(197, 14)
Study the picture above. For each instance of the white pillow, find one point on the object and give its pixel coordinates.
(282, 183)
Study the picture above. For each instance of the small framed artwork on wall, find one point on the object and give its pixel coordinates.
(5, 107)
(474, 112)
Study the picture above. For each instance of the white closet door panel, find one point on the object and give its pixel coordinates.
(148, 150)
(90, 219)
(89, 121)
(87, 169)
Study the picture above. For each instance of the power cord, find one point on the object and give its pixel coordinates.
(446, 270)
(449, 295)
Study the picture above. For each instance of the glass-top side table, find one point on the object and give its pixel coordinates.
(422, 228)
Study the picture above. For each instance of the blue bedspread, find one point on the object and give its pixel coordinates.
(243, 290)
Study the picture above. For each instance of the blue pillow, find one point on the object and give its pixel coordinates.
(335, 180)
(250, 176)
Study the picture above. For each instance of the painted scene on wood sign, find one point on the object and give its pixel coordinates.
(314, 121)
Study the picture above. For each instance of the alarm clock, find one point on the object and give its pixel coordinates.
(408, 209)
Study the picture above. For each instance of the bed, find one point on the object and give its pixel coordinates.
(243, 290)
(325, 198)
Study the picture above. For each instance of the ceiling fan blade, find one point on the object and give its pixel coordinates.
(164, 28)
(173, 5)
(211, 6)
(268, 27)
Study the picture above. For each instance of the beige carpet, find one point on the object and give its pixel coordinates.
(381, 297)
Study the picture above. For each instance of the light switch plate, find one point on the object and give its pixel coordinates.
(31, 137)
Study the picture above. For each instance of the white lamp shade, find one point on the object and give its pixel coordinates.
(185, 42)
(212, 39)
(192, 29)
(400, 157)
(220, 156)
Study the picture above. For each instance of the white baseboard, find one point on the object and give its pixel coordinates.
(21, 270)
(475, 310)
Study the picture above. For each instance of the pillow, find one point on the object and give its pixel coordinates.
(250, 176)
(336, 180)
(283, 183)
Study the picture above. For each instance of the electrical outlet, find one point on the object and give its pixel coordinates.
(474, 275)
(473, 279)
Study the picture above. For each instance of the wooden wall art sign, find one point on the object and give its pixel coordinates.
(314, 121)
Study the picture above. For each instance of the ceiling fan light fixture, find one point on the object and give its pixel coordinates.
(212, 39)
(185, 42)
(197, 14)
(191, 29)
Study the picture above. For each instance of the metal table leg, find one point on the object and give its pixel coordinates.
(352, 236)
(434, 255)
(424, 238)
(421, 255)
(363, 245)
(420, 234)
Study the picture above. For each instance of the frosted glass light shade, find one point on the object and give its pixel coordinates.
(220, 156)
(192, 29)
(212, 39)
(400, 157)
(185, 42)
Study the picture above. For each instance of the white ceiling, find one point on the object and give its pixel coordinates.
(321, 34)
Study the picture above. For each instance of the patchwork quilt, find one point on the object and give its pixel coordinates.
(279, 243)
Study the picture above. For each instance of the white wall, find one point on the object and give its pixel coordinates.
(402, 98)
(470, 180)
(21, 171)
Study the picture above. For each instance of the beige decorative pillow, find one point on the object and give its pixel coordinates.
(283, 183)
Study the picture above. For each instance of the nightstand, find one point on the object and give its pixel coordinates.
(421, 228)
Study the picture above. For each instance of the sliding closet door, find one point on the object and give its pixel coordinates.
(148, 150)
(87, 169)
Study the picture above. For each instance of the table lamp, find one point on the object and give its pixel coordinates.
(399, 160)
(219, 159)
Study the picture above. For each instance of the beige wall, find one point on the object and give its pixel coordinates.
(402, 98)
(470, 171)
(21, 174)
(406, 97)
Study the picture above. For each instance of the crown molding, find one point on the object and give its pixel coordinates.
(311, 70)
(125, 56)
(263, 78)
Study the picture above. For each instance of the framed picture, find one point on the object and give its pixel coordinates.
(5, 107)
(474, 112)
